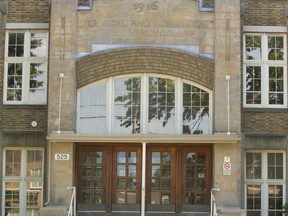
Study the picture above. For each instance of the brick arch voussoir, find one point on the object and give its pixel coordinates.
(98, 66)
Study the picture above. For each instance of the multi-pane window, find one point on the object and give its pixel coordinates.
(144, 104)
(265, 71)
(26, 58)
(22, 181)
(265, 183)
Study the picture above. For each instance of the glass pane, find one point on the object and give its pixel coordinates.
(121, 183)
(132, 170)
(275, 48)
(155, 197)
(120, 197)
(190, 198)
(190, 158)
(13, 163)
(12, 194)
(37, 76)
(121, 170)
(34, 194)
(156, 171)
(253, 49)
(38, 45)
(98, 184)
(132, 184)
(253, 166)
(121, 157)
(132, 157)
(190, 184)
(166, 184)
(166, 197)
(253, 85)
(155, 184)
(87, 171)
(131, 197)
(275, 169)
(98, 198)
(16, 45)
(156, 158)
(201, 158)
(34, 163)
(166, 171)
(166, 158)
(253, 196)
(190, 172)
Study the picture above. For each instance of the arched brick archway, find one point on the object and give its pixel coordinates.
(157, 60)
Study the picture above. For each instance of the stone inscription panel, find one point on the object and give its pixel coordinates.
(141, 22)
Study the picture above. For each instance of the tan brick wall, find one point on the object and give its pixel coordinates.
(145, 60)
(20, 117)
(28, 11)
(264, 12)
(261, 121)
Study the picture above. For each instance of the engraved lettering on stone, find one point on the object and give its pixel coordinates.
(140, 7)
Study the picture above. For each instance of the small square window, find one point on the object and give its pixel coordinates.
(206, 5)
(84, 5)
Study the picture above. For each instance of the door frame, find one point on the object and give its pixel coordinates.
(179, 148)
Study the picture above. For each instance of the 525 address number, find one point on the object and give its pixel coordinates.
(61, 156)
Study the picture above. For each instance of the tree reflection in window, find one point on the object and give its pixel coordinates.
(195, 110)
(127, 105)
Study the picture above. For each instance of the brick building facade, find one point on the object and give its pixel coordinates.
(143, 107)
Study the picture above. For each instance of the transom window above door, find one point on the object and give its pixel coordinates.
(144, 104)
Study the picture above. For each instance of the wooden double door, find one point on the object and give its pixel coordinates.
(177, 178)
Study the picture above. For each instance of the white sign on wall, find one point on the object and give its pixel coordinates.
(226, 168)
(61, 156)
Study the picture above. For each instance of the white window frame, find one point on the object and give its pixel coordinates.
(26, 60)
(144, 102)
(264, 182)
(23, 179)
(264, 63)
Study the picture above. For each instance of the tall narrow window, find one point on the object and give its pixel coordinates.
(26, 59)
(265, 71)
(22, 181)
(265, 183)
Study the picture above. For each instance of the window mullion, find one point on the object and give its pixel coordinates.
(178, 106)
(144, 103)
(110, 105)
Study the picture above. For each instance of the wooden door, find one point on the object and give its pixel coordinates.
(91, 178)
(126, 180)
(196, 179)
(160, 179)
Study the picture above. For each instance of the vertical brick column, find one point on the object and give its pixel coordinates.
(62, 60)
(227, 62)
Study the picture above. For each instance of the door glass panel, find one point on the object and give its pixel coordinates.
(126, 177)
(92, 181)
(161, 177)
(196, 185)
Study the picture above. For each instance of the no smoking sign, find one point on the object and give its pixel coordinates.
(226, 169)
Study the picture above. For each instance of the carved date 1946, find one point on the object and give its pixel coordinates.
(139, 7)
